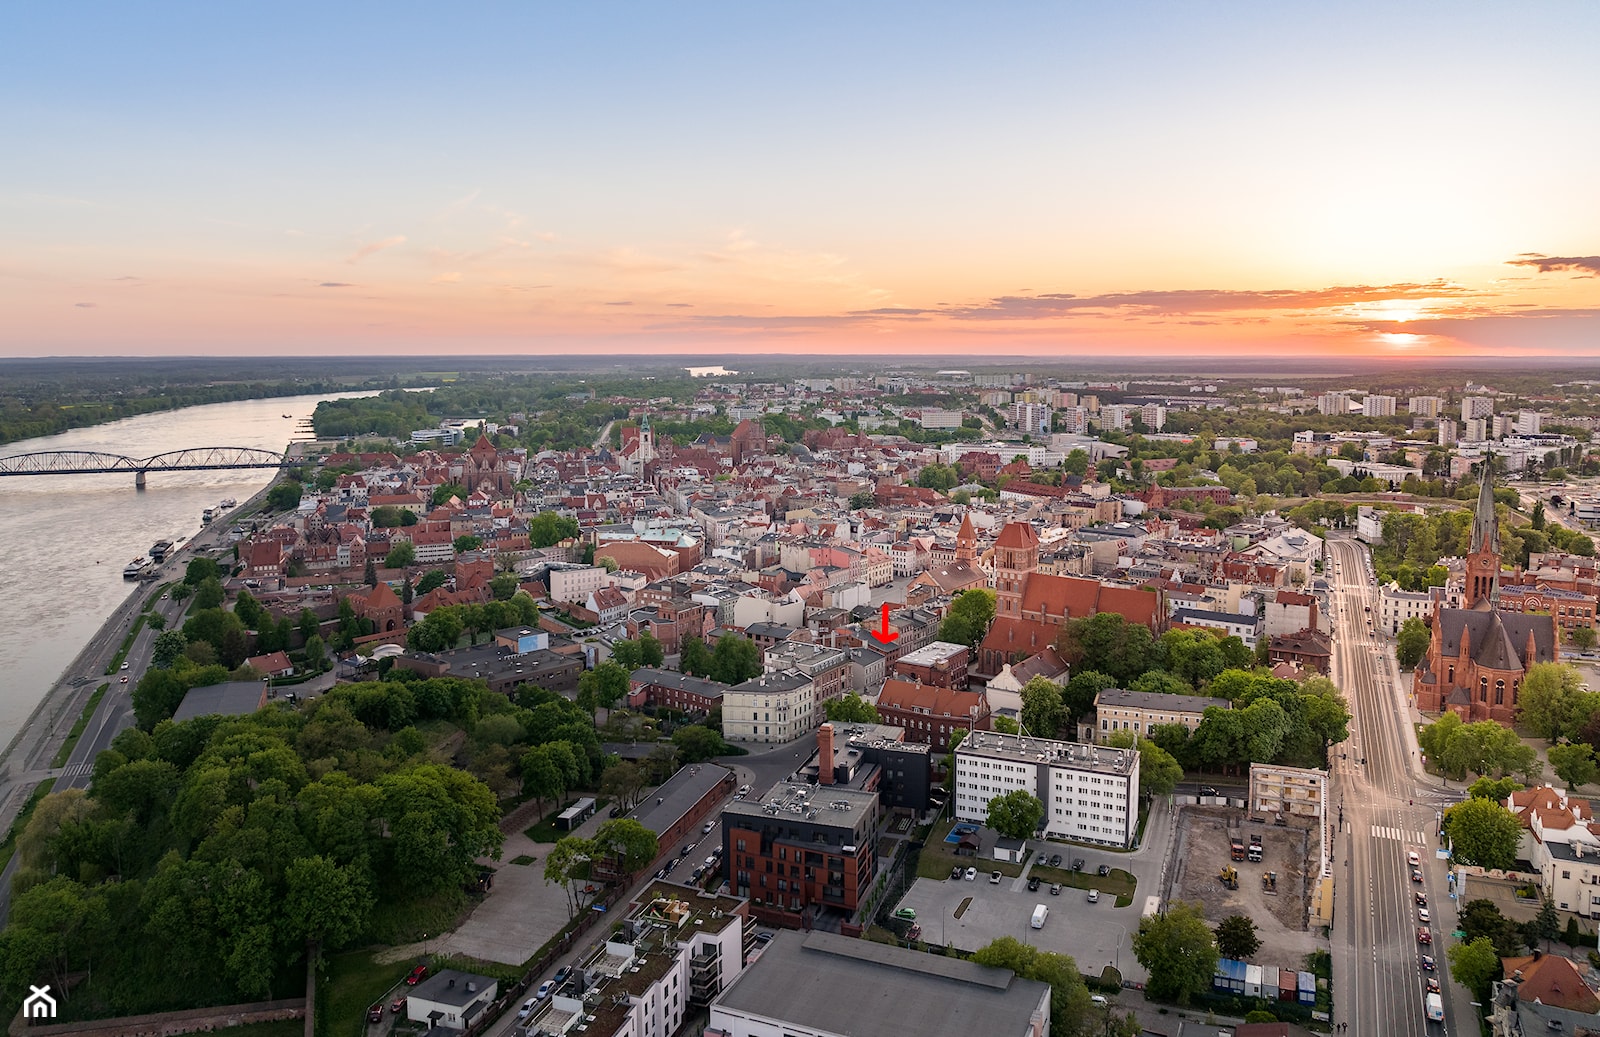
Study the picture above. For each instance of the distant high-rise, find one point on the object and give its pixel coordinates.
(1424, 406)
(1449, 432)
(1529, 422)
(1375, 406)
(1333, 403)
(1154, 417)
(1476, 407)
(1475, 430)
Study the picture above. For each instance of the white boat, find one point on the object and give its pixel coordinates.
(134, 569)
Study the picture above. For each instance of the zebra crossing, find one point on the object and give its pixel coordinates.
(76, 769)
(1385, 832)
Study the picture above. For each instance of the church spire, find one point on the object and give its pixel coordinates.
(1485, 526)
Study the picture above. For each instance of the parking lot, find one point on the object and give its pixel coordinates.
(1096, 935)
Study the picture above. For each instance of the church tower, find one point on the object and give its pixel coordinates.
(1016, 557)
(1483, 558)
(647, 442)
(967, 541)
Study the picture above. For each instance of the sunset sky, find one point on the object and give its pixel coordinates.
(1389, 178)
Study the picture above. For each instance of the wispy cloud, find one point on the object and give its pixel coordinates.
(84, 305)
(335, 284)
(1187, 301)
(1589, 266)
(374, 247)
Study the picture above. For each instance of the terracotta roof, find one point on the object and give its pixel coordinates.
(1551, 980)
(934, 701)
(1017, 534)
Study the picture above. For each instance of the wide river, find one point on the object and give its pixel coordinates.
(68, 536)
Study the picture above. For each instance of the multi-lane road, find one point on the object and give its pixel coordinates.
(1384, 813)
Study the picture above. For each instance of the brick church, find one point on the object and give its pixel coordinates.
(1478, 655)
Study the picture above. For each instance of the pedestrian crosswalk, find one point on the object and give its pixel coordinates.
(76, 769)
(1385, 832)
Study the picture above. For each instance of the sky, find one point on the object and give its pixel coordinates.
(1405, 179)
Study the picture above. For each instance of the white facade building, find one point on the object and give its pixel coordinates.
(1375, 406)
(1424, 406)
(1395, 606)
(774, 707)
(934, 418)
(576, 583)
(1089, 792)
(1476, 407)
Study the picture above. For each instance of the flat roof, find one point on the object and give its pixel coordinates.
(822, 981)
(678, 795)
(1104, 759)
(799, 798)
(932, 652)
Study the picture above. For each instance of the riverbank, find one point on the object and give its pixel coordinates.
(27, 759)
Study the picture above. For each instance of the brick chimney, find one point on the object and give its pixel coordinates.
(825, 754)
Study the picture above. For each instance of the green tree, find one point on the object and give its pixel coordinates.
(431, 580)
(1493, 789)
(400, 555)
(694, 658)
(1475, 965)
(1159, 770)
(1411, 644)
(651, 652)
(369, 574)
(547, 529)
(1483, 833)
(864, 499)
(735, 659)
(968, 617)
(938, 477)
(199, 570)
(156, 697)
(326, 905)
(1015, 814)
(696, 743)
(1236, 937)
(248, 609)
(285, 496)
(566, 864)
(467, 542)
(630, 842)
(1109, 644)
(504, 586)
(1179, 950)
(1042, 711)
(1574, 763)
(623, 781)
(1545, 698)
(166, 649)
(1079, 695)
(443, 494)
(851, 709)
(209, 594)
(1547, 925)
(608, 683)
(1071, 1012)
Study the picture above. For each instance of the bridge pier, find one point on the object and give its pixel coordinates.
(138, 479)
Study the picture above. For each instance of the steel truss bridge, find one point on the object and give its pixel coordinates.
(194, 459)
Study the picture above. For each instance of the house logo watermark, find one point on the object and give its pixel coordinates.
(39, 1004)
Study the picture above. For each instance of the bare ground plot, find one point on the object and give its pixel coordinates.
(1202, 852)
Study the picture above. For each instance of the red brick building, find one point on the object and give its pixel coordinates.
(929, 714)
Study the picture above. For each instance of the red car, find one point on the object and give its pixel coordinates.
(375, 1013)
(398, 1005)
(416, 975)
(1424, 936)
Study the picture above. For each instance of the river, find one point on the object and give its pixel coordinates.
(70, 535)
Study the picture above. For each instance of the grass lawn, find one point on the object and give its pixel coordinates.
(547, 832)
(411, 920)
(938, 857)
(353, 982)
(78, 726)
(1119, 883)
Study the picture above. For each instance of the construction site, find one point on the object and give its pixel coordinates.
(1236, 866)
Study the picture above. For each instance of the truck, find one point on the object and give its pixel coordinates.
(1435, 1006)
(1255, 849)
(1040, 913)
(1236, 848)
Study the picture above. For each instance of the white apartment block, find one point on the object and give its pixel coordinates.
(1529, 422)
(934, 418)
(1395, 606)
(1089, 792)
(1425, 406)
(1117, 416)
(1476, 407)
(1375, 406)
(1333, 403)
(1449, 432)
(1073, 420)
(1153, 416)
(1032, 418)
(1475, 430)
(772, 708)
(577, 583)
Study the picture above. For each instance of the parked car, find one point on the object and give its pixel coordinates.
(707, 827)
(544, 990)
(1104, 869)
(1077, 863)
(1094, 896)
(1055, 889)
(908, 913)
(744, 790)
(1208, 790)
(970, 874)
(398, 1005)
(955, 872)
(527, 1009)
(1033, 883)
(764, 936)
(375, 1013)
(1042, 861)
(416, 975)
(914, 933)
(994, 878)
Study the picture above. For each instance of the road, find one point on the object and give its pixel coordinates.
(1384, 812)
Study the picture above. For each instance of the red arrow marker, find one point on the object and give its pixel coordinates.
(885, 635)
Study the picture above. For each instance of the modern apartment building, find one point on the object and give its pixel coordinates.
(801, 845)
(1089, 791)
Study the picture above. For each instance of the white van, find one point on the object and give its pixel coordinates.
(1040, 913)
